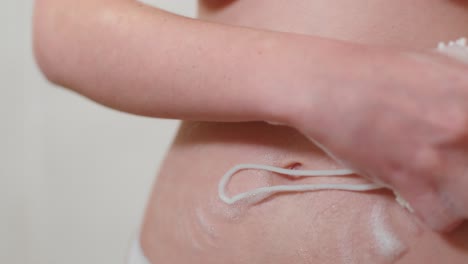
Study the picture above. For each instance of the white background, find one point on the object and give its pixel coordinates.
(74, 176)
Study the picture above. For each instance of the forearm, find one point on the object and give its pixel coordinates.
(142, 60)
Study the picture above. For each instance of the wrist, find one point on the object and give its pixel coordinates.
(307, 73)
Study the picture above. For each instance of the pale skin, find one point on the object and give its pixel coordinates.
(395, 113)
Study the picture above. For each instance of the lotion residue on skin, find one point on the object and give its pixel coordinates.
(387, 243)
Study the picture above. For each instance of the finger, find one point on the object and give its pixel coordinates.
(434, 207)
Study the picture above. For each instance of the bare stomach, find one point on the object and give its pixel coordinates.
(186, 222)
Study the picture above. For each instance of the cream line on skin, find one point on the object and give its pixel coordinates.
(456, 49)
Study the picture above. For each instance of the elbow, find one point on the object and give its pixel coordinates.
(45, 65)
(43, 43)
(63, 32)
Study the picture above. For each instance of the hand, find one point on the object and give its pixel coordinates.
(399, 118)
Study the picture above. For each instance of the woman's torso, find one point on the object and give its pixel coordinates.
(185, 221)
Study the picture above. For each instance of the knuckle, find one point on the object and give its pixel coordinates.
(425, 161)
(459, 128)
(455, 128)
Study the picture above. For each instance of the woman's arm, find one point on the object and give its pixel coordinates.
(398, 117)
(142, 60)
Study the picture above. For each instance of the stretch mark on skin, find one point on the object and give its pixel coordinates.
(185, 231)
(204, 223)
(205, 228)
(387, 243)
